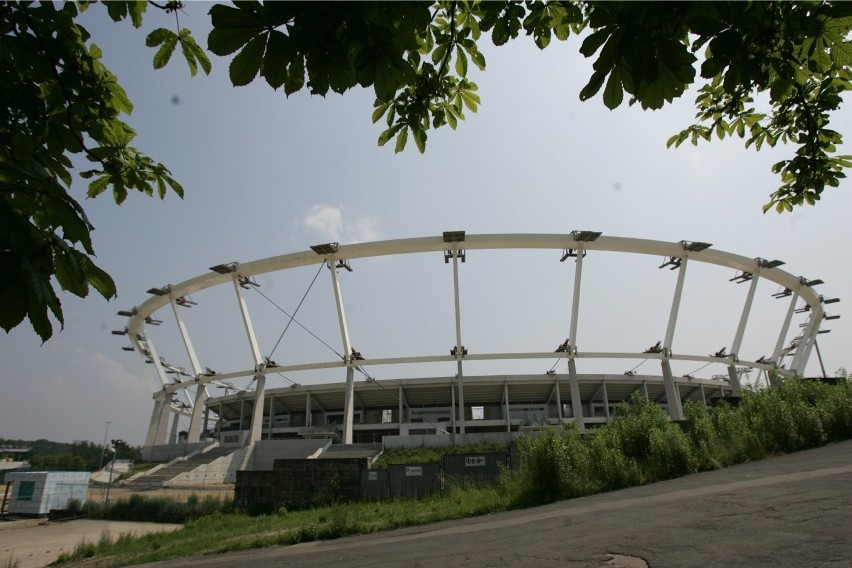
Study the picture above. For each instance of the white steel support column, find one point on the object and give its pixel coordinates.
(206, 419)
(173, 436)
(349, 406)
(158, 365)
(401, 408)
(678, 293)
(506, 405)
(703, 398)
(738, 338)
(219, 423)
(672, 393)
(271, 417)
(198, 419)
(349, 402)
(605, 399)
(308, 410)
(785, 329)
(459, 352)
(256, 427)
(575, 303)
(803, 351)
(558, 402)
(453, 406)
(193, 435)
(158, 426)
(576, 401)
(259, 391)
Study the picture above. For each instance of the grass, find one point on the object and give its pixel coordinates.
(432, 455)
(641, 445)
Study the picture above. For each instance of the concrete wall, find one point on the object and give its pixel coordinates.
(295, 483)
(267, 451)
(50, 490)
(168, 452)
(446, 440)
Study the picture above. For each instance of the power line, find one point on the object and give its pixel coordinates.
(305, 295)
(297, 322)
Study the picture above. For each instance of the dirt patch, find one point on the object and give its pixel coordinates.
(31, 545)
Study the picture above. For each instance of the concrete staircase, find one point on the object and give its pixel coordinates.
(161, 476)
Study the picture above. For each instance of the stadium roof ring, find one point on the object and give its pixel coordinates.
(183, 390)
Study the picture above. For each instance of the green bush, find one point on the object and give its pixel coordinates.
(158, 509)
(641, 445)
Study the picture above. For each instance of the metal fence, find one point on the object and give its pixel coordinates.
(475, 469)
(415, 481)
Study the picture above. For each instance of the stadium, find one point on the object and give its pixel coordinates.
(410, 343)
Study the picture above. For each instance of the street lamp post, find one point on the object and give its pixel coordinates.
(111, 468)
(104, 446)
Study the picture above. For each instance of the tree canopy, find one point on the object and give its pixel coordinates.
(766, 72)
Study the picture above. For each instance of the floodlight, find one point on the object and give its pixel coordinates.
(224, 268)
(829, 300)
(460, 253)
(571, 253)
(673, 261)
(158, 291)
(832, 317)
(327, 248)
(151, 321)
(694, 246)
(814, 282)
(127, 348)
(454, 236)
(787, 292)
(127, 313)
(183, 301)
(585, 236)
(120, 331)
(763, 263)
(741, 277)
(343, 264)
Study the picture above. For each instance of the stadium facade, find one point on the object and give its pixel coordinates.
(348, 411)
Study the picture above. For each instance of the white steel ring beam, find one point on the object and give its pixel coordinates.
(676, 250)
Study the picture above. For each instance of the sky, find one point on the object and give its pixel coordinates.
(266, 175)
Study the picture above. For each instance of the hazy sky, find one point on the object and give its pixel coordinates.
(266, 175)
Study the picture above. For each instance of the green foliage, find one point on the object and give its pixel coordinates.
(432, 455)
(59, 100)
(158, 509)
(45, 455)
(417, 56)
(641, 445)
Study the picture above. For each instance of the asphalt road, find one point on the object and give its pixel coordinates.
(787, 511)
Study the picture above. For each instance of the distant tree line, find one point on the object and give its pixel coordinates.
(45, 455)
